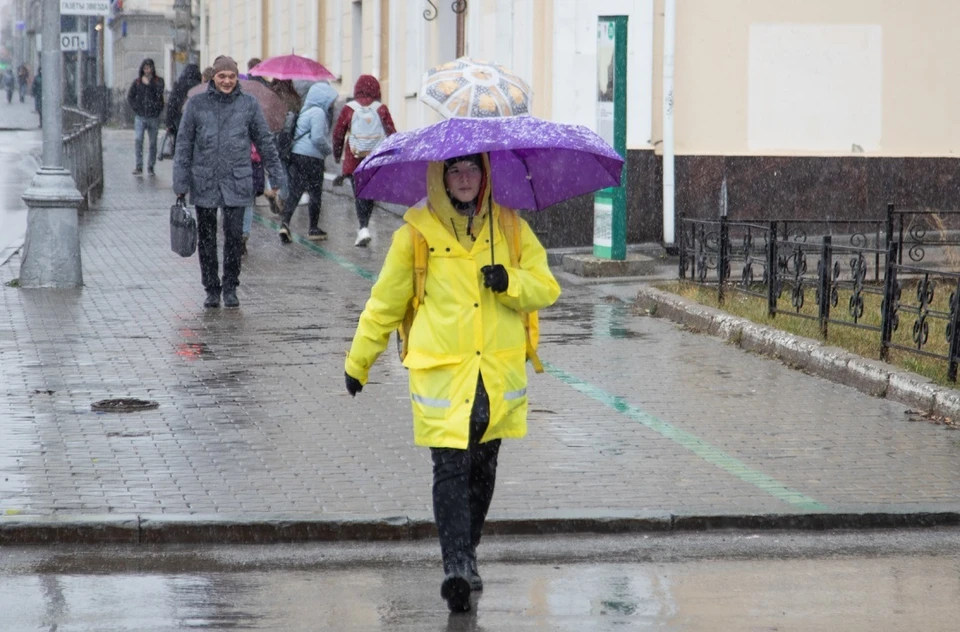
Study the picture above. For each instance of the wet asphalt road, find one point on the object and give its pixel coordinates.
(14, 170)
(876, 581)
(20, 138)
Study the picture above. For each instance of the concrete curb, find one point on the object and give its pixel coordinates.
(869, 376)
(218, 529)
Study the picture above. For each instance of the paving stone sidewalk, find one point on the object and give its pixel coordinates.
(636, 424)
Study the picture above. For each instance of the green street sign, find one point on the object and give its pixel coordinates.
(610, 205)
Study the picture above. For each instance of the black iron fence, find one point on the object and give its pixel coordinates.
(844, 273)
(83, 152)
(936, 323)
(923, 233)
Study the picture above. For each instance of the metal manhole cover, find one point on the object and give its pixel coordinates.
(123, 405)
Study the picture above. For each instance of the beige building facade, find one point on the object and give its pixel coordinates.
(814, 108)
(821, 108)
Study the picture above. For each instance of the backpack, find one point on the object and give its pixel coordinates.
(286, 138)
(366, 129)
(510, 225)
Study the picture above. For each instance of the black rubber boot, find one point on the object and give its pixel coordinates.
(456, 590)
(476, 584)
(230, 298)
(213, 299)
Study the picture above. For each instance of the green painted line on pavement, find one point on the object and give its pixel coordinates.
(709, 453)
(275, 226)
(698, 446)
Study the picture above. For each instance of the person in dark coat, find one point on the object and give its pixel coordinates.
(37, 90)
(146, 100)
(212, 164)
(23, 80)
(252, 63)
(284, 89)
(366, 94)
(9, 84)
(189, 78)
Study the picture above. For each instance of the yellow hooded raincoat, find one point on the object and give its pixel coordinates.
(462, 328)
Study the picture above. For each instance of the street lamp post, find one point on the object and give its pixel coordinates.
(51, 250)
(459, 8)
(183, 21)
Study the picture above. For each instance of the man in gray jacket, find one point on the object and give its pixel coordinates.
(212, 163)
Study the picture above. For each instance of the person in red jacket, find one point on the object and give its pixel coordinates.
(363, 123)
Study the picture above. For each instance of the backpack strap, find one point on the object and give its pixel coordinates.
(419, 266)
(356, 107)
(512, 231)
(419, 287)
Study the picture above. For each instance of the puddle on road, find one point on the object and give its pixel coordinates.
(193, 350)
(605, 320)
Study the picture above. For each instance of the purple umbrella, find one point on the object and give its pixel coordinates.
(534, 163)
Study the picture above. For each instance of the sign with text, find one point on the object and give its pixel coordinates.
(98, 8)
(73, 41)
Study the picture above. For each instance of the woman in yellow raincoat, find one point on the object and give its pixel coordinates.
(466, 348)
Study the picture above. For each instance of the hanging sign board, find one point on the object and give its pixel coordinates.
(96, 8)
(73, 41)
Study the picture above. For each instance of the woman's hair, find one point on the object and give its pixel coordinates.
(476, 159)
(207, 74)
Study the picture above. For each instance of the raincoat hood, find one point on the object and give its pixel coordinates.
(321, 95)
(366, 90)
(464, 229)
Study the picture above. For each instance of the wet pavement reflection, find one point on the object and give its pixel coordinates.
(887, 581)
(634, 414)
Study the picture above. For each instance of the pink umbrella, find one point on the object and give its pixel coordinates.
(292, 67)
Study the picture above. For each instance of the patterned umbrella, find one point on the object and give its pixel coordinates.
(292, 67)
(475, 89)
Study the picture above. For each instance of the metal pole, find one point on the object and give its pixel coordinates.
(773, 271)
(202, 53)
(669, 183)
(101, 55)
(825, 285)
(461, 21)
(51, 251)
(52, 85)
(722, 258)
(189, 57)
(78, 79)
(889, 301)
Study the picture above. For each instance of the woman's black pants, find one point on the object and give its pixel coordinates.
(305, 174)
(364, 207)
(463, 482)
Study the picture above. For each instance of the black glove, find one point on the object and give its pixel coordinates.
(495, 277)
(353, 385)
(182, 199)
